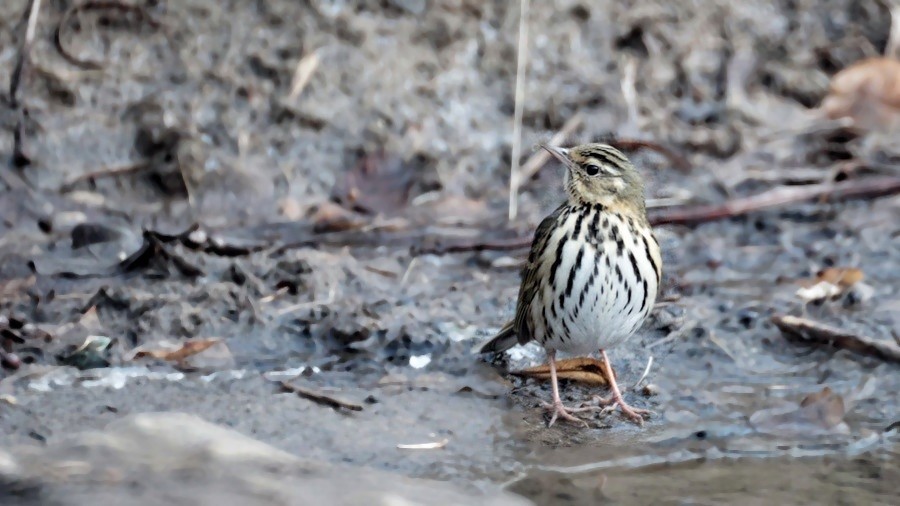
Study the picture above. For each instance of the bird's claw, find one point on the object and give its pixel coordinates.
(609, 405)
(561, 411)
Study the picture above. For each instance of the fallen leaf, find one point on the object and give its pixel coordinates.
(177, 353)
(16, 286)
(868, 92)
(451, 209)
(303, 73)
(819, 412)
(378, 183)
(290, 209)
(841, 276)
(330, 217)
(829, 283)
(582, 369)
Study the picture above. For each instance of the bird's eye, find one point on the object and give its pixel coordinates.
(592, 170)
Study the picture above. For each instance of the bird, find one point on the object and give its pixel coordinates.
(593, 271)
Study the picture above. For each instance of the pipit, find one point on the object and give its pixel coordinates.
(593, 272)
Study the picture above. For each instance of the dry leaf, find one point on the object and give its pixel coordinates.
(303, 73)
(379, 183)
(841, 276)
(582, 369)
(17, 286)
(179, 353)
(867, 92)
(330, 217)
(819, 412)
(829, 283)
(452, 209)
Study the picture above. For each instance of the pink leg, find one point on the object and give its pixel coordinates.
(557, 406)
(635, 414)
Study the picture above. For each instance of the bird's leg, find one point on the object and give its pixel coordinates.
(634, 414)
(557, 406)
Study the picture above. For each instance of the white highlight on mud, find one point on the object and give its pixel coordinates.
(419, 361)
(114, 377)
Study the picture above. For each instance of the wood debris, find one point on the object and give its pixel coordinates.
(818, 333)
(319, 397)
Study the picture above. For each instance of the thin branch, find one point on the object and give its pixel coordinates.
(646, 372)
(539, 158)
(95, 5)
(819, 333)
(688, 215)
(478, 245)
(319, 397)
(678, 161)
(629, 90)
(862, 188)
(521, 65)
(20, 158)
(24, 52)
(893, 44)
(108, 172)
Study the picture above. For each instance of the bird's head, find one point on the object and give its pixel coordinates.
(600, 174)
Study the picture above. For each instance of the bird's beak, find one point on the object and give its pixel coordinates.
(561, 154)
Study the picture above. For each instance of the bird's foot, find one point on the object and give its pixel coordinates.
(561, 411)
(634, 414)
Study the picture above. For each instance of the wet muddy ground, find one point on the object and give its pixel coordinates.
(171, 186)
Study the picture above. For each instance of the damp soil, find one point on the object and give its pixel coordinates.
(173, 190)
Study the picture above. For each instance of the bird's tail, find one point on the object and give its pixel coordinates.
(504, 340)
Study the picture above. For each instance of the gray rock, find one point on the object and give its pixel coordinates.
(176, 458)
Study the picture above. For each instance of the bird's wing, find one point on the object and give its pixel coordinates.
(530, 281)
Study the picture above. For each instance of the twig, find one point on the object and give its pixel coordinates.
(24, 52)
(521, 64)
(893, 44)
(814, 332)
(272, 296)
(646, 372)
(680, 162)
(539, 158)
(306, 305)
(291, 235)
(408, 271)
(863, 188)
(95, 5)
(20, 158)
(319, 397)
(479, 245)
(629, 91)
(101, 174)
(665, 340)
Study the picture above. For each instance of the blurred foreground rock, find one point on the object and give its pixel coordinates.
(176, 458)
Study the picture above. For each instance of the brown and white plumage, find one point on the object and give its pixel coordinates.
(594, 268)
